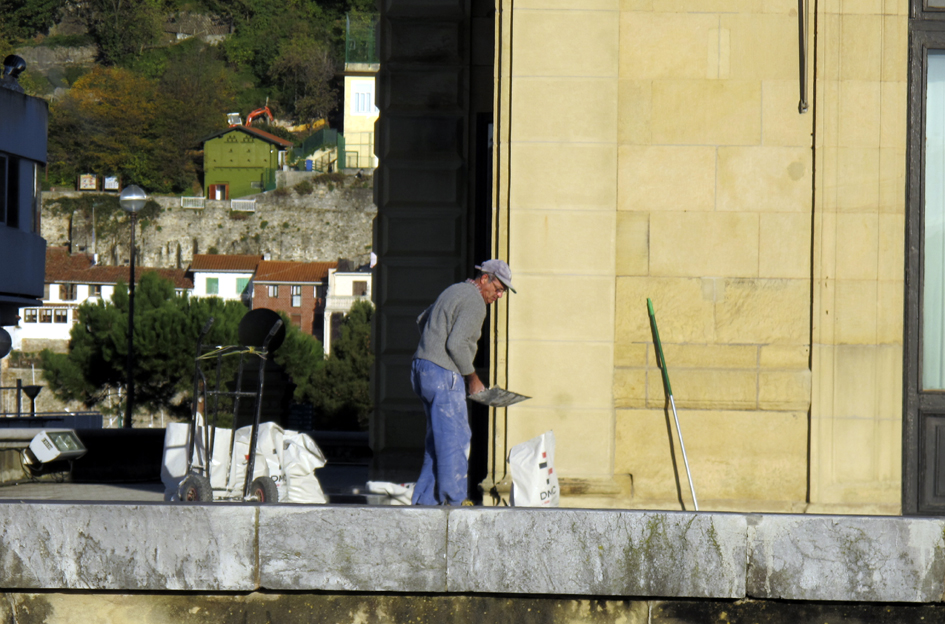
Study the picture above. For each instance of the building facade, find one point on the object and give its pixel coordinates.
(242, 161)
(360, 111)
(296, 288)
(23, 122)
(740, 164)
(224, 276)
(71, 280)
(345, 288)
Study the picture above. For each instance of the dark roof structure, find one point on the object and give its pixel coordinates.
(221, 263)
(286, 272)
(260, 134)
(65, 268)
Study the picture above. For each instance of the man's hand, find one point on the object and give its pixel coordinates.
(473, 385)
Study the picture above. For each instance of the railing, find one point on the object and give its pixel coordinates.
(360, 38)
(325, 136)
(194, 203)
(243, 205)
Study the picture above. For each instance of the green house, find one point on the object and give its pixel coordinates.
(241, 161)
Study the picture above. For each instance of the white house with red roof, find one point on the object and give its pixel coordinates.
(224, 276)
(71, 280)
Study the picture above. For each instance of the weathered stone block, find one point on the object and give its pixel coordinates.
(352, 548)
(603, 553)
(846, 558)
(127, 547)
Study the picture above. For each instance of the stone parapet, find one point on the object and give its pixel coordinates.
(597, 553)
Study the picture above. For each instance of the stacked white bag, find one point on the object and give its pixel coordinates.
(288, 457)
(534, 480)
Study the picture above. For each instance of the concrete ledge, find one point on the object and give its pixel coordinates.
(863, 559)
(122, 547)
(353, 548)
(601, 553)
(225, 547)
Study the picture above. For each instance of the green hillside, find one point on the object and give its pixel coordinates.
(156, 76)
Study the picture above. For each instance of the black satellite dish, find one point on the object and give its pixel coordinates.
(256, 325)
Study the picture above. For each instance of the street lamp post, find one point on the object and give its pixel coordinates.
(132, 200)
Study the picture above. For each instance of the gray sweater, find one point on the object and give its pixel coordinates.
(450, 328)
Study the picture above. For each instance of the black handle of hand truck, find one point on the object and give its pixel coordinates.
(272, 333)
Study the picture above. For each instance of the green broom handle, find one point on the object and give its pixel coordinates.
(659, 347)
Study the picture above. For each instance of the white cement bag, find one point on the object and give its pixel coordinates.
(268, 462)
(174, 463)
(534, 481)
(283, 456)
(301, 458)
(399, 493)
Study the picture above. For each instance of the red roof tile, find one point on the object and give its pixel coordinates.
(282, 271)
(224, 263)
(65, 268)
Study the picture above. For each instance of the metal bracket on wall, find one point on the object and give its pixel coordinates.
(803, 20)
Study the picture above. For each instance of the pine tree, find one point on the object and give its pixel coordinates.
(342, 387)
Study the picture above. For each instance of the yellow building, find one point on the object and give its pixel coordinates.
(360, 112)
(619, 150)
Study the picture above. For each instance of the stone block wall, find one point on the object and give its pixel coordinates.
(670, 162)
(324, 226)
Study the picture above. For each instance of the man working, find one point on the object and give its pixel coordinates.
(449, 333)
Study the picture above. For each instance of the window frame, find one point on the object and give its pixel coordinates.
(295, 296)
(923, 410)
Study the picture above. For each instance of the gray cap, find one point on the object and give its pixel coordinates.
(500, 269)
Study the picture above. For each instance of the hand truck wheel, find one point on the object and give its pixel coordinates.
(263, 490)
(195, 489)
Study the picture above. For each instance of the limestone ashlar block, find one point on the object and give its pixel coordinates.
(558, 99)
(894, 118)
(633, 243)
(603, 553)
(685, 309)
(127, 547)
(579, 432)
(765, 454)
(860, 57)
(859, 122)
(781, 123)
(763, 311)
(784, 245)
(706, 112)
(666, 45)
(764, 179)
(563, 242)
(352, 548)
(892, 180)
(848, 558)
(634, 111)
(696, 244)
(895, 46)
(762, 45)
(558, 165)
(674, 178)
(566, 43)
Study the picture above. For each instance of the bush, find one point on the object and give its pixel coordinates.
(330, 179)
(304, 188)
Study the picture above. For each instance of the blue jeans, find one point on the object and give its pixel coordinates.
(443, 478)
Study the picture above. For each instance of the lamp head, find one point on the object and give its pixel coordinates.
(132, 199)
